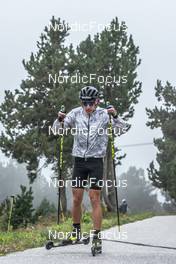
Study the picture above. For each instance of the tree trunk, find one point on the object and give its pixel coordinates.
(109, 195)
(63, 200)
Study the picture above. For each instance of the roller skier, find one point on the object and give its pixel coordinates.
(89, 149)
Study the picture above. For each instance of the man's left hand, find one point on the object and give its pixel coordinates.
(112, 111)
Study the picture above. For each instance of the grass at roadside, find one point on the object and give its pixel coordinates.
(37, 235)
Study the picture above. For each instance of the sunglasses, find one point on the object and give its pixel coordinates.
(86, 103)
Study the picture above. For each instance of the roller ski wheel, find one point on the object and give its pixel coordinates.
(85, 240)
(96, 247)
(49, 245)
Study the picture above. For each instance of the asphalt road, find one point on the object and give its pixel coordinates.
(158, 231)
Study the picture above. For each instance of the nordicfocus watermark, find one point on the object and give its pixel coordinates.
(86, 27)
(74, 131)
(85, 79)
(115, 235)
(78, 183)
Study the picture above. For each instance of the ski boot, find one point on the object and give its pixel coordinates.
(73, 237)
(96, 245)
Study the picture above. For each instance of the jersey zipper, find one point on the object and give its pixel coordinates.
(88, 126)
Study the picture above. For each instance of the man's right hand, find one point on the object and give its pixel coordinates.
(61, 116)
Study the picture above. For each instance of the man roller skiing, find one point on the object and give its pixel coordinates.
(89, 150)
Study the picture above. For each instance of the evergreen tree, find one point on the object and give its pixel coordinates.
(110, 60)
(164, 117)
(4, 214)
(16, 173)
(138, 193)
(45, 208)
(22, 212)
(27, 113)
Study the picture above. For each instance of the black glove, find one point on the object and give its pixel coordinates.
(61, 113)
(111, 106)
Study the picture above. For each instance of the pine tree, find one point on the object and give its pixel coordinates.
(22, 213)
(139, 193)
(27, 113)
(4, 214)
(45, 208)
(112, 57)
(164, 117)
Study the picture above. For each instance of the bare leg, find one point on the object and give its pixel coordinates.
(96, 208)
(77, 200)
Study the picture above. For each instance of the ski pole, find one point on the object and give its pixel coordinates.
(114, 166)
(60, 164)
(10, 212)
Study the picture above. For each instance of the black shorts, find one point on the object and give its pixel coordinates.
(87, 173)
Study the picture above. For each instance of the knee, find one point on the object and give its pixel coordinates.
(95, 199)
(77, 200)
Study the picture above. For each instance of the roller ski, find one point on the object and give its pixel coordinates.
(66, 242)
(72, 239)
(96, 246)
